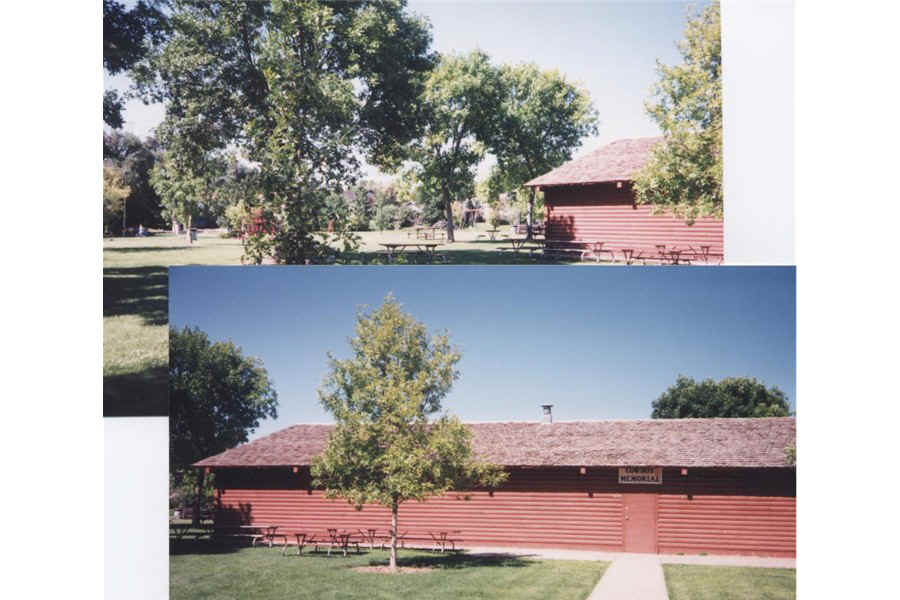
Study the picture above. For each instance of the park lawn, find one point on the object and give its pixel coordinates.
(702, 582)
(263, 574)
(136, 315)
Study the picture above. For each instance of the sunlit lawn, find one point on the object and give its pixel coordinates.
(135, 298)
(200, 570)
(701, 582)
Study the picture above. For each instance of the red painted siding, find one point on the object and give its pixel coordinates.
(747, 511)
(604, 213)
(762, 525)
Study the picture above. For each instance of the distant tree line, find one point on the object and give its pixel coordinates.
(729, 397)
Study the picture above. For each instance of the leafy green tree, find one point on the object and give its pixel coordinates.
(459, 98)
(386, 447)
(362, 207)
(185, 187)
(302, 87)
(790, 454)
(684, 173)
(115, 191)
(541, 119)
(127, 34)
(136, 158)
(730, 397)
(217, 396)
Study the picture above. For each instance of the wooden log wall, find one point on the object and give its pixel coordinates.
(606, 213)
(717, 511)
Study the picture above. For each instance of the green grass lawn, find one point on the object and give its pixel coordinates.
(701, 582)
(136, 315)
(135, 300)
(262, 573)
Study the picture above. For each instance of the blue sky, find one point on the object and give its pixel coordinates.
(609, 47)
(596, 343)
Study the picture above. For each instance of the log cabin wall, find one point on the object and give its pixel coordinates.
(609, 214)
(720, 511)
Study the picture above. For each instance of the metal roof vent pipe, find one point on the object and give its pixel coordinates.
(548, 413)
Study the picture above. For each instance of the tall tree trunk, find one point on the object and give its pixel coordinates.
(448, 215)
(530, 225)
(174, 226)
(124, 211)
(393, 563)
(195, 517)
(188, 232)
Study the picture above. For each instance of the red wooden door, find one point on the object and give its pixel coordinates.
(640, 522)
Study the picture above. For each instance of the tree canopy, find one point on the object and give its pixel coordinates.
(730, 397)
(302, 88)
(136, 159)
(115, 191)
(386, 447)
(461, 94)
(127, 35)
(217, 396)
(541, 118)
(684, 173)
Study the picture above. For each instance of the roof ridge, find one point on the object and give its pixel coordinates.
(637, 420)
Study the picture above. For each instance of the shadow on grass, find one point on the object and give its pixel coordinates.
(202, 546)
(457, 560)
(141, 394)
(137, 249)
(142, 291)
(455, 257)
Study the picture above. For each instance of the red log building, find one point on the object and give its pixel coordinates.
(722, 486)
(592, 198)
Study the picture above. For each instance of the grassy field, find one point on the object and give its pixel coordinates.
(199, 570)
(135, 300)
(700, 582)
(136, 315)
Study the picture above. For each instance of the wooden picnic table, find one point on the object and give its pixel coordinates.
(369, 536)
(519, 243)
(584, 248)
(398, 248)
(302, 540)
(262, 532)
(441, 540)
(179, 529)
(672, 255)
(429, 233)
(342, 539)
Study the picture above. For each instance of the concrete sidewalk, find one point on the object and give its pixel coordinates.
(638, 576)
(632, 576)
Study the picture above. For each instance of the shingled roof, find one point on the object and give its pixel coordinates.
(657, 442)
(616, 161)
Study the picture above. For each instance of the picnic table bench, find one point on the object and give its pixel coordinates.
(254, 533)
(520, 244)
(670, 255)
(565, 248)
(427, 249)
(439, 539)
(428, 233)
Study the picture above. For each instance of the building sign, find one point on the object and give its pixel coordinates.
(640, 475)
